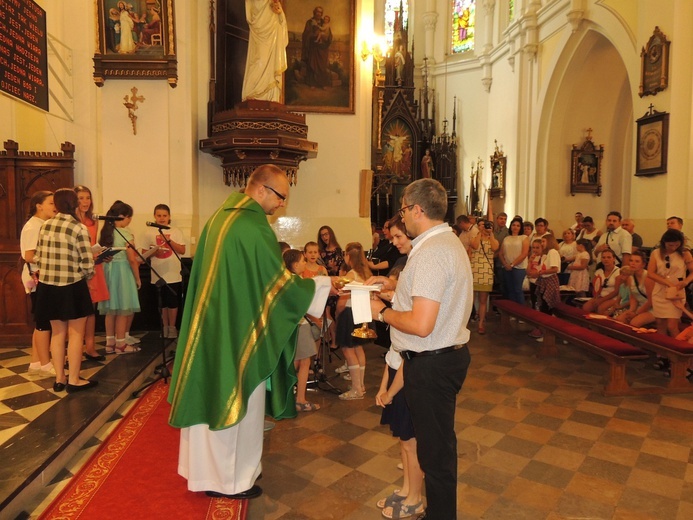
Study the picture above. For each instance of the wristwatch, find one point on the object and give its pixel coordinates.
(381, 314)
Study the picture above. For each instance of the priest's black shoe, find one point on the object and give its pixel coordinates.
(253, 492)
(78, 388)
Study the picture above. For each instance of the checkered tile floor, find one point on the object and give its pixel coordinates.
(24, 397)
(536, 440)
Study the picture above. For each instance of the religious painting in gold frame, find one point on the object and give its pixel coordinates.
(586, 167)
(655, 64)
(499, 164)
(653, 143)
(135, 39)
(320, 56)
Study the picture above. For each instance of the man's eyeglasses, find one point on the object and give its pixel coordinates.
(405, 208)
(281, 197)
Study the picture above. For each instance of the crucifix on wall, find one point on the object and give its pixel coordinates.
(131, 105)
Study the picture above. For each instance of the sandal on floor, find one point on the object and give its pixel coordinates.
(351, 395)
(390, 501)
(401, 510)
(307, 407)
(124, 348)
(110, 349)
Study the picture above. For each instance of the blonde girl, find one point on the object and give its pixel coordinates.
(355, 259)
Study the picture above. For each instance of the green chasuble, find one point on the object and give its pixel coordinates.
(239, 323)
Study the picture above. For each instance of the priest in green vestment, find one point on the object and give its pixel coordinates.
(234, 360)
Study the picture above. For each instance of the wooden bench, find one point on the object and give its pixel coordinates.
(617, 353)
(678, 352)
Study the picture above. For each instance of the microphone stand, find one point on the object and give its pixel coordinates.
(163, 372)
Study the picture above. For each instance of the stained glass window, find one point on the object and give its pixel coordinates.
(391, 8)
(463, 25)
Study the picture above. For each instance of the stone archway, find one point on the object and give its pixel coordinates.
(590, 89)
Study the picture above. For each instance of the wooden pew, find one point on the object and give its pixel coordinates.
(678, 352)
(615, 352)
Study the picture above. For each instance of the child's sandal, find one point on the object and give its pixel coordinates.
(110, 347)
(123, 348)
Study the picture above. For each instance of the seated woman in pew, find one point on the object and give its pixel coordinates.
(617, 305)
(603, 282)
(639, 312)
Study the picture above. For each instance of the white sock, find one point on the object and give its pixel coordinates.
(35, 364)
(355, 373)
(47, 366)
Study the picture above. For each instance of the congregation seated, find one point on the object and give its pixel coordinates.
(603, 282)
(639, 311)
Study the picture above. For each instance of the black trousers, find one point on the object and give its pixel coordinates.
(431, 387)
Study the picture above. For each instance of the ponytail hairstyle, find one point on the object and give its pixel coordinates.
(118, 208)
(357, 259)
(37, 198)
(66, 202)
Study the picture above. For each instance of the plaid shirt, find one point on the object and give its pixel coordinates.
(64, 251)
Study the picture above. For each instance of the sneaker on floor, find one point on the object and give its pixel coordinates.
(342, 369)
(44, 371)
(131, 340)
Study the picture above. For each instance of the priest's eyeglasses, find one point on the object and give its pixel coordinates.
(281, 197)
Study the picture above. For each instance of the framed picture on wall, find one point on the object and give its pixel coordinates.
(320, 56)
(586, 167)
(653, 143)
(498, 166)
(135, 39)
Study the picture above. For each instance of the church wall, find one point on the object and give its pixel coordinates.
(584, 74)
(528, 110)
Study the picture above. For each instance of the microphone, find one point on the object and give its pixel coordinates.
(158, 226)
(107, 218)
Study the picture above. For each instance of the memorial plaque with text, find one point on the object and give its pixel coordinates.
(23, 52)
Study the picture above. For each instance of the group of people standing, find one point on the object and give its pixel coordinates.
(219, 396)
(68, 278)
(610, 268)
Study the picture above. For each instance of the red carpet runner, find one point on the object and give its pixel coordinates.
(134, 474)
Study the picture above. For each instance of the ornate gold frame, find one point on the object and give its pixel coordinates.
(655, 64)
(341, 59)
(499, 163)
(586, 167)
(108, 63)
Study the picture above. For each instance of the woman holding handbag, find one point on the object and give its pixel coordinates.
(483, 246)
(667, 270)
